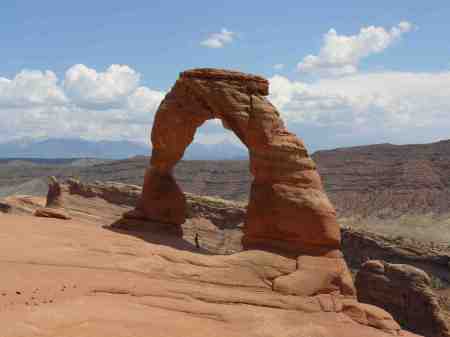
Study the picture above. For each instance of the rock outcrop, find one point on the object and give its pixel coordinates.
(288, 209)
(405, 292)
(103, 281)
(5, 208)
(54, 194)
(75, 279)
(54, 207)
(359, 246)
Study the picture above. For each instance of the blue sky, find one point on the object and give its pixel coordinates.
(401, 43)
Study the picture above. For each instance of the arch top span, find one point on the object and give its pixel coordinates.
(259, 84)
(288, 209)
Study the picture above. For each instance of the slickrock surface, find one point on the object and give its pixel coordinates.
(22, 204)
(288, 209)
(80, 278)
(72, 278)
(406, 293)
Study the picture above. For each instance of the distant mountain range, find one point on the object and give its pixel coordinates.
(80, 148)
(409, 184)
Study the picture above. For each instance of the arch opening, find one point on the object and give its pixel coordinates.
(215, 164)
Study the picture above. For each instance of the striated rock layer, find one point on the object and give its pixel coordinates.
(288, 209)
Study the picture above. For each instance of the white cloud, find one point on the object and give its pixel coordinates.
(31, 88)
(218, 40)
(89, 88)
(144, 99)
(389, 106)
(402, 106)
(341, 54)
(86, 103)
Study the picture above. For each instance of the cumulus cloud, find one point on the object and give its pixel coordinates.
(341, 54)
(400, 106)
(31, 88)
(86, 103)
(218, 40)
(89, 88)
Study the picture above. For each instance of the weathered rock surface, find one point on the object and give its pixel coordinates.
(405, 292)
(73, 278)
(54, 207)
(100, 281)
(288, 209)
(219, 225)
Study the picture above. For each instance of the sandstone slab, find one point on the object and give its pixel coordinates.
(72, 278)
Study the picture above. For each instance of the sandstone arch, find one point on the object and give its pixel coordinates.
(288, 209)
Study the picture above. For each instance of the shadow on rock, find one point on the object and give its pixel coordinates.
(155, 233)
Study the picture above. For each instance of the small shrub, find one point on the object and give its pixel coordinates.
(437, 283)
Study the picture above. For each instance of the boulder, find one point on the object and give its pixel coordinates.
(405, 292)
(48, 212)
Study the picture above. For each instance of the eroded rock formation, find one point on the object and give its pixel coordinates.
(116, 279)
(405, 292)
(54, 207)
(5, 208)
(288, 209)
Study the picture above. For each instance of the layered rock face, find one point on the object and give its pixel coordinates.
(288, 210)
(405, 292)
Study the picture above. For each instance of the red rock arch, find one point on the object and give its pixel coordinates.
(288, 209)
